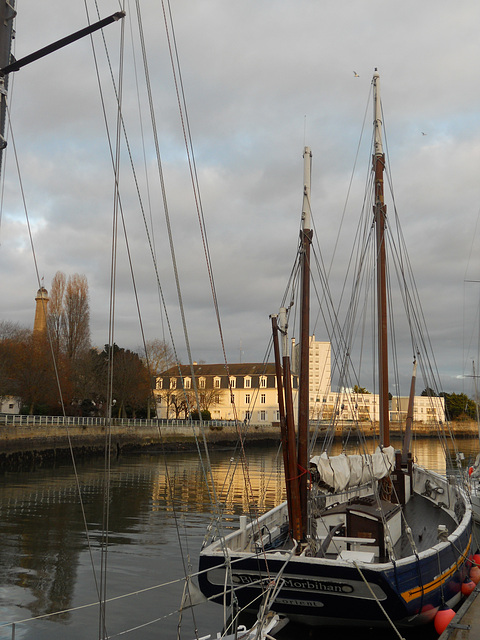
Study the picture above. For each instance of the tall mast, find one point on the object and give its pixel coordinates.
(380, 212)
(306, 234)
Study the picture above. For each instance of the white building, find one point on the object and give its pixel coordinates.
(10, 405)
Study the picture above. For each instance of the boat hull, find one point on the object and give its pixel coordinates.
(332, 591)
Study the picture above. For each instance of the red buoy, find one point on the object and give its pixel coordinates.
(442, 620)
(476, 559)
(470, 471)
(468, 586)
(475, 574)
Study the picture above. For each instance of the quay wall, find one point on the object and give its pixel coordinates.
(38, 439)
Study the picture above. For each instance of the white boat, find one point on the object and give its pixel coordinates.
(370, 538)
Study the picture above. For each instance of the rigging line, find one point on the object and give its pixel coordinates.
(194, 176)
(70, 444)
(210, 485)
(351, 178)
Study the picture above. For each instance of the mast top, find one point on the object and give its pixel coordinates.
(307, 166)
(377, 123)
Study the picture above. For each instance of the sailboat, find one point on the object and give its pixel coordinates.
(371, 538)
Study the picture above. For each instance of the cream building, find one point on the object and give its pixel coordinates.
(248, 391)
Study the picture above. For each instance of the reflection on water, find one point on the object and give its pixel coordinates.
(158, 511)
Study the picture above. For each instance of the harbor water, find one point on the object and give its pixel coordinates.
(157, 510)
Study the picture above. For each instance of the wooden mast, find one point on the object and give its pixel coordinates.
(380, 212)
(306, 234)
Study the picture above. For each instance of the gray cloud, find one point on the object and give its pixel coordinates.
(261, 80)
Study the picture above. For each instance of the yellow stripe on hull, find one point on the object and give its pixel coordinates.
(417, 592)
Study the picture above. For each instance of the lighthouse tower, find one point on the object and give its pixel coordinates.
(40, 323)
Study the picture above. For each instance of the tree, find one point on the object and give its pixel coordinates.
(158, 356)
(429, 392)
(12, 337)
(69, 315)
(458, 406)
(357, 389)
(56, 313)
(130, 383)
(76, 316)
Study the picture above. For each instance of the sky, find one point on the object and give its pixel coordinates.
(261, 79)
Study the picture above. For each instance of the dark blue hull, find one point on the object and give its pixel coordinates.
(322, 591)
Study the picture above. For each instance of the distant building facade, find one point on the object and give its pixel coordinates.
(248, 392)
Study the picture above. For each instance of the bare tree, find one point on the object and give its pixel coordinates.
(76, 327)
(56, 312)
(69, 315)
(157, 356)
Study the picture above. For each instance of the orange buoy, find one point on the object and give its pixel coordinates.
(475, 574)
(468, 585)
(442, 619)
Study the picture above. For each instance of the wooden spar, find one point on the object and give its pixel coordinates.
(303, 393)
(283, 421)
(409, 422)
(380, 212)
(296, 525)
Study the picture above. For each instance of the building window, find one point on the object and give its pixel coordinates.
(248, 383)
(217, 399)
(173, 383)
(247, 415)
(232, 399)
(201, 383)
(263, 415)
(188, 383)
(159, 383)
(247, 398)
(263, 382)
(232, 383)
(216, 383)
(262, 398)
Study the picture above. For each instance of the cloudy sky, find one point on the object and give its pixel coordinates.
(261, 80)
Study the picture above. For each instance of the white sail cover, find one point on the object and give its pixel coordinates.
(341, 472)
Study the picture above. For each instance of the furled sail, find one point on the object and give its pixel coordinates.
(344, 471)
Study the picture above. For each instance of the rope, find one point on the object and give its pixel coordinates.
(378, 602)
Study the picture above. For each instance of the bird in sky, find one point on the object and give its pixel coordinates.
(356, 74)
(423, 134)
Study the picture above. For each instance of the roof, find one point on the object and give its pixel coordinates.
(237, 369)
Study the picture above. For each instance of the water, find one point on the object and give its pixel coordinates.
(158, 512)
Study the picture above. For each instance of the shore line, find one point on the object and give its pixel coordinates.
(30, 445)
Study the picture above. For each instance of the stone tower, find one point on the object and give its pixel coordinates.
(40, 323)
